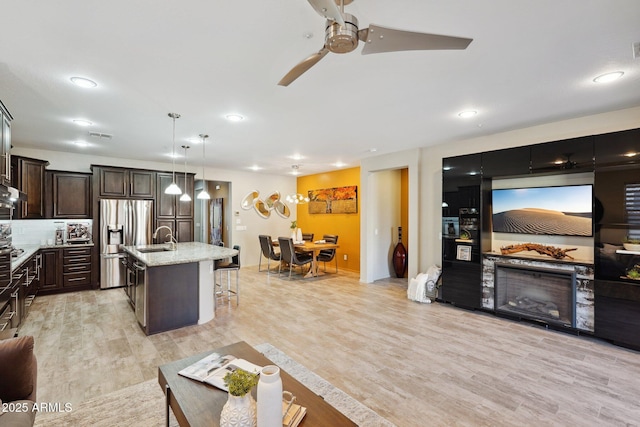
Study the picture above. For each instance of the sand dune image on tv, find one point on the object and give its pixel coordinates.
(542, 221)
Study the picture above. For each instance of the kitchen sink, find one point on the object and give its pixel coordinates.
(154, 249)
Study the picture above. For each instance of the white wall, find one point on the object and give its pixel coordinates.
(241, 183)
(370, 219)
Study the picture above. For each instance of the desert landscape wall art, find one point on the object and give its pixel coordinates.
(563, 211)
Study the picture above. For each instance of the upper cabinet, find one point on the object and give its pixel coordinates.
(170, 206)
(5, 145)
(27, 175)
(617, 149)
(566, 156)
(68, 194)
(508, 162)
(124, 183)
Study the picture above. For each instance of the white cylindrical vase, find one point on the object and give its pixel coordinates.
(270, 397)
(299, 234)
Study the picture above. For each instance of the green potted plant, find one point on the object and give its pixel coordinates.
(240, 408)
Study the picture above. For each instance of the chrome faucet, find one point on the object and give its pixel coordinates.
(172, 240)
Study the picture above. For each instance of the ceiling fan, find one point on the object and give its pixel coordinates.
(342, 36)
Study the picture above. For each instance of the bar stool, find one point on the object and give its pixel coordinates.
(234, 265)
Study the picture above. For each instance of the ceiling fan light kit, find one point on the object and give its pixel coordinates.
(342, 36)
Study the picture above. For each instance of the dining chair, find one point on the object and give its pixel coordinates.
(268, 251)
(327, 255)
(234, 265)
(307, 237)
(290, 256)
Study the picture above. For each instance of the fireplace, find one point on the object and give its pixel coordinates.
(534, 293)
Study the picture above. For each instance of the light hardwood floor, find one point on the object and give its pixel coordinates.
(414, 364)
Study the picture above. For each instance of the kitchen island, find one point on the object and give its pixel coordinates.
(174, 284)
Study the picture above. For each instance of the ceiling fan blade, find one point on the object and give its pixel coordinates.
(302, 67)
(328, 9)
(381, 39)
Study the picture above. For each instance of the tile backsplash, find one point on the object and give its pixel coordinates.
(39, 231)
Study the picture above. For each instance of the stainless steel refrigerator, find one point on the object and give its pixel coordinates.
(122, 223)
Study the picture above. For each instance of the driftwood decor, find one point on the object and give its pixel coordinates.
(551, 251)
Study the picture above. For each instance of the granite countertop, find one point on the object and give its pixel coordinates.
(30, 250)
(185, 253)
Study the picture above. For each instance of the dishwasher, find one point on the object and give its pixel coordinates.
(141, 293)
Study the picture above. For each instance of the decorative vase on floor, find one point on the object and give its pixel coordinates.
(239, 411)
(270, 397)
(400, 256)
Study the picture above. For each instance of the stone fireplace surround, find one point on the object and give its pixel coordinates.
(584, 297)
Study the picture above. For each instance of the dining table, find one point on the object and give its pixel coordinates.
(314, 248)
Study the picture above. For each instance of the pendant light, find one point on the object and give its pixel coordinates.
(185, 196)
(204, 195)
(173, 187)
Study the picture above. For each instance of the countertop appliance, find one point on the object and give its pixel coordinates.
(122, 223)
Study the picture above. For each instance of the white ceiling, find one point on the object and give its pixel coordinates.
(531, 62)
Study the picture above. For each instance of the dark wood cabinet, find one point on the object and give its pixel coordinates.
(68, 195)
(66, 269)
(28, 176)
(51, 273)
(123, 183)
(5, 145)
(171, 211)
(76, 267)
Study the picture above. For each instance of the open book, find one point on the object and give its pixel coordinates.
(213, 368)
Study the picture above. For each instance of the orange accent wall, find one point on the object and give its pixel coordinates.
(346, 226)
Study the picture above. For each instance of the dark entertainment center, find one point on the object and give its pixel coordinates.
(599, 297)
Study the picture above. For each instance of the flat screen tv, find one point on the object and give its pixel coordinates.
(561, 211)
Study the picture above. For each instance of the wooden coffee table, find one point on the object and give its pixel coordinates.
(198, 404)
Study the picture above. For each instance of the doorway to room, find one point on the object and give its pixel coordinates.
(213, 216)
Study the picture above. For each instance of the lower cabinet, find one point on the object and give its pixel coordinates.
(65, 269)
(462, 284)
(617, 312)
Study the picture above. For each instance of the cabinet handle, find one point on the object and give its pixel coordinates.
(4, 326)
(75, 280)
(77, 268)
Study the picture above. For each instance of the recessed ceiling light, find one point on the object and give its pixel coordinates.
(373, 150)
(559, 162)
(339, 164)
(631, 154)
(296, 157)
(82, 122)
(467, 113)
(81, 143)
(609, 77)
(255, 168)
(83, 82)
(234, 117)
